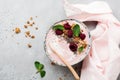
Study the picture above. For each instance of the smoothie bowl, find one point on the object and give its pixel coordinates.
(70, 38)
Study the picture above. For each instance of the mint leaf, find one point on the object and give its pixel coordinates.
(38, 65)
(40, 68)
(76, 30)
(81, 49)
(42, 73)
(60, 27)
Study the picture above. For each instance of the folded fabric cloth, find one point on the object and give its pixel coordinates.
(103, 61)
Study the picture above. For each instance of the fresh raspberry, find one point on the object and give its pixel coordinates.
(67, 26)
(73, 46)
(70, 33)
(82, 36)
(58, 32)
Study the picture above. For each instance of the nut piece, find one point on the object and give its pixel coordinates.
(29, 45)
(28, 22)
(85, 45)
(76, 39)
(52, 63)
(82, 43)
(32, 36)
(65, 32)
(25, 26)
(36, 28)
(27, 33)
(17, 30)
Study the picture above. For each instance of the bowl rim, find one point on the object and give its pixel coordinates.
(87, 49)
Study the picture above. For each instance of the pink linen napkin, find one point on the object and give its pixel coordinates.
(103, 61)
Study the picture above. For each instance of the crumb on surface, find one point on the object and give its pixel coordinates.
(28, 22)
(32, 36)
(29, 45)
(25, 26)
(36, 28)
(17, 30)
(52, 63)
(27, 33)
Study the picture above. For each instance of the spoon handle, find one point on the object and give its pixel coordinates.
(67, 64)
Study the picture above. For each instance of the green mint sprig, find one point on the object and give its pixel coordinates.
(81, 49)
(76, 30)
(40, 68)
(60, 27)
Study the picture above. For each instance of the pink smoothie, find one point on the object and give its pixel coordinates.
(60, 45)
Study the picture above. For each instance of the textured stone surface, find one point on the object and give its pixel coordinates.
(17, 60)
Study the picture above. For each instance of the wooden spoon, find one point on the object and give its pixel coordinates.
(66, 63)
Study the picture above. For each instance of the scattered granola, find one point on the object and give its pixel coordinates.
(25, 26)
(36, 28)
(29, 45)
(17, 30)
(28, 23)
(32, 36)
(27, 33)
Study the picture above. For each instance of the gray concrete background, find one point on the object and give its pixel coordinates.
(17, 61)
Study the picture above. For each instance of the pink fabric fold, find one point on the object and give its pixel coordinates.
(103, 61)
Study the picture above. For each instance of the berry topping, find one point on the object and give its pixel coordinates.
(73, 46)
(58, 32)
(82, 36)
(70, 33)
(73, 34)
(67, 26)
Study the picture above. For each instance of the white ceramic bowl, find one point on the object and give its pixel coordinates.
(73, 59)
